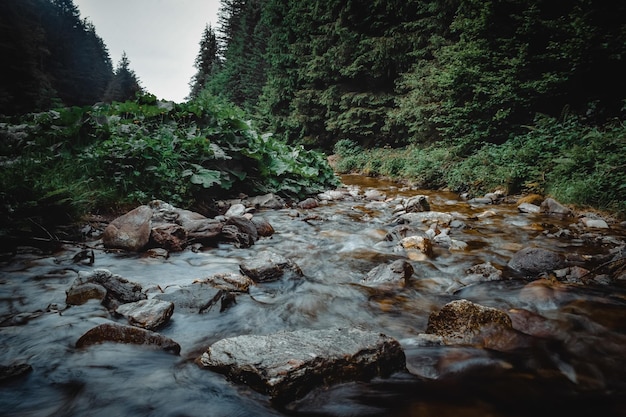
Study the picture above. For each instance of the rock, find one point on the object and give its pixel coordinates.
(483, 272)
(129, 232)
(263, 227)
(464, 322)
(423, 244)
(230, 282)
(268, 266)
(496, 196)
(594, 223)
(481, 200)
(204, 230)
(80, 294)
(119, 290)
(195, 298)
(398, 273)
(119, 333)
(245, 226)
(399, 232)
(11, 372)
(551, 206)
(169, 236)
(528, 208)
(269, 201)
(235, 210)
(445, 241)
(534, 199)
(375, 195)
(536, 260)
(287, 365)
(309, 203)
(232, 234)
(332, 195)
(148, 314)
(427, 216)
(416, 204)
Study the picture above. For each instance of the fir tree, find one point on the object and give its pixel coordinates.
(125, 85)
(208, 62)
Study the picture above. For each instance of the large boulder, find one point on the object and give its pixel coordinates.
(119, 333)
(287, 365)
(535, 261)
(129, 232)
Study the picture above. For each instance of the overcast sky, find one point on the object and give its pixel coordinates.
(161, 38)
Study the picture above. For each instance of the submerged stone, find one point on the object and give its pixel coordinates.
(287, 365)
(119, 333)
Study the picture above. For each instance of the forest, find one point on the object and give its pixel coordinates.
(523, 96)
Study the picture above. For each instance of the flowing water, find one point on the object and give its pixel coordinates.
(574, 365)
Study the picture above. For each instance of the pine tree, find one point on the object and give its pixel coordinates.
(125, 85)
(208, 62)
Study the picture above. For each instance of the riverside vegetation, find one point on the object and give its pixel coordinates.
(62, 163)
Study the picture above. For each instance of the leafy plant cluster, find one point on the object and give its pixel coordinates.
(75, 159)
(569, 160)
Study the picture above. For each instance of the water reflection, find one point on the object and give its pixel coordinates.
(569, 359)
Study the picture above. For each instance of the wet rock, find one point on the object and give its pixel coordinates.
(206, 230)
(481, 273)
(129, 232)
(245, 226)
(445, 241)
(416, 204)
(375, 195)
(333, 195)
(464, 322)
(440, 218)
(528, 208)
(268, 266)
(148, 314)
(118, 289)
(397, 273)
(287, 365)
(229, 282)
(534, 261)
(119, 333)
(309, 203)
(574, 275)
(421, 243)
(232, 234)
(235, 210)
(269, 201)
(536, 325)
(169, 236)
(594, 223)
(15, 371)
(551, 206)
(263, 227)
(195, 298)
(80, 294)
(496, 197)
(481, 200)
(399, 232)
(157, 253)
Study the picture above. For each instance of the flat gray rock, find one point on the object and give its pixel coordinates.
(287, 365)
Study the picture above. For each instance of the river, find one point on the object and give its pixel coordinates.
(576, 365)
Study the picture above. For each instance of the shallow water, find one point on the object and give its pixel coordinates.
(574, 365)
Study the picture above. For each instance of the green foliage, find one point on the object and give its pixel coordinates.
(126, 153)
(573, 162)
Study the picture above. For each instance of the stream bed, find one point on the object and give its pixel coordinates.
(573, 360)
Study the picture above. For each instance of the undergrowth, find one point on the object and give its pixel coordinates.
(568, 160)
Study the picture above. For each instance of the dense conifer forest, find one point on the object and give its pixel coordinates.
(526, 96)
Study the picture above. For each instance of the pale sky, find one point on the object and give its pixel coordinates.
(161, 38)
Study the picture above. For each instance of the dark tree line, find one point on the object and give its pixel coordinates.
(52, 57)
(417, 71)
